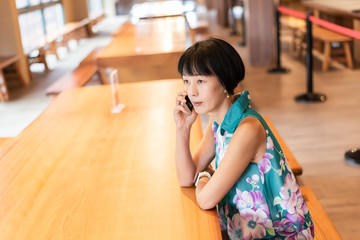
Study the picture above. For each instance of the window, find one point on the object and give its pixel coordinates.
(36, 19)
(95, 7)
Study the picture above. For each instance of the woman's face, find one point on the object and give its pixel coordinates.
(205, 92)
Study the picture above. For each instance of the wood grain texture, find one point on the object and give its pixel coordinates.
(80, 172)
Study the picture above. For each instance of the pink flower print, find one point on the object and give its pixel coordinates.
(288, 194)
(254, 224)
(222, 218)
(300, 210)
(258, 199)
(269, 143)
(284, 227)
(234, 227)
(253, 181)
(250, 200)
(213, 127)
(255, 178)
(243, 200)
(307, 234)
(265, 165)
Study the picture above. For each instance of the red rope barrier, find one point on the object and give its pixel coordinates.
(291, 12)
(336, 28)
(331, 26)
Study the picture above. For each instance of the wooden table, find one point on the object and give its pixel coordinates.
(5, 62)
(147, 50)
(347, 8)
(80, 172)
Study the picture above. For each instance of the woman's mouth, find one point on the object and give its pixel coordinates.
(196, 104)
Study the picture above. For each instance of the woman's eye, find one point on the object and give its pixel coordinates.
(186, 81)
(200, 81)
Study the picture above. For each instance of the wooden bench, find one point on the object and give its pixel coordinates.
(78, 77)
(324, 228)
(326, 38)
(294, 164)
(196, 26)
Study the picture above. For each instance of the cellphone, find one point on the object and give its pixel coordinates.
(188, 106)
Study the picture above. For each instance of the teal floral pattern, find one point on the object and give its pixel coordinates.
(266, 202)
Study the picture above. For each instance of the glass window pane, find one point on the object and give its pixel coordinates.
(53, 18)
(21, 3)
(34, 2)
(95, 7)
(32, 30)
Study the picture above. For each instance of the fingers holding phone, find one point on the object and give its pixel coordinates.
(184, 110)
(187, 105)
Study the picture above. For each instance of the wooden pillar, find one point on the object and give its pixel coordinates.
(356, 50)
(222, 9)
(260, 31)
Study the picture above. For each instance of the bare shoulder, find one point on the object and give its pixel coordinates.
(250, 129)
(251, 124)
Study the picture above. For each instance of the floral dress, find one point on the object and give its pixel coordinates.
(266, 202)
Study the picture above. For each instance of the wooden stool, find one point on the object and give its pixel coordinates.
(328, 37)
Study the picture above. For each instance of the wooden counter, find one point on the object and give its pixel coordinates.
(80, 172)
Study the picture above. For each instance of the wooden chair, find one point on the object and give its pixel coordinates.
(327, 53)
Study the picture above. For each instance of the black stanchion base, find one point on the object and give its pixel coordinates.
(233, 33)
(352, 157)
(278, 70)
(310, 98)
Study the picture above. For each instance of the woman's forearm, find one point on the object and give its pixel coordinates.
(185, 166)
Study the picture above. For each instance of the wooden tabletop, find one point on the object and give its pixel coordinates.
(350, 8)
(149, 42)
(80, 172)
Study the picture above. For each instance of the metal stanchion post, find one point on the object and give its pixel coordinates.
(310, 96)
(278, 69)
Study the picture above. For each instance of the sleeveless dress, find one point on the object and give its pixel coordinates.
(265, 202)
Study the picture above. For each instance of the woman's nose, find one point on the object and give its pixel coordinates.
(192, 90)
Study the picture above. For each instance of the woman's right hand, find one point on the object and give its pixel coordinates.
(182, 119)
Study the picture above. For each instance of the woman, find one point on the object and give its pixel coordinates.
(253, 187)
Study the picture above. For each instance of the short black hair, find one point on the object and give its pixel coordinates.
(210, 57)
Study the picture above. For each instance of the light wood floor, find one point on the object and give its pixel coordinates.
(318, 134)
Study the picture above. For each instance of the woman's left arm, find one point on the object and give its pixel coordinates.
(248, 141)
